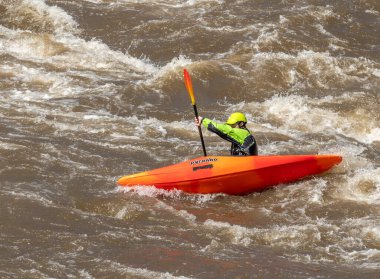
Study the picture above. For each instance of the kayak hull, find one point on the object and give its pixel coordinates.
(232, 175)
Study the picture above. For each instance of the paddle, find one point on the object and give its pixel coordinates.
(189, 88)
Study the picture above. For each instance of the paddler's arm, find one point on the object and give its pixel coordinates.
(225, 131)
(215, 126)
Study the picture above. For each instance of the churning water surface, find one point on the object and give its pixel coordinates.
(92, 90)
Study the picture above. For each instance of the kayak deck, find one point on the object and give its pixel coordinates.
(232, 175)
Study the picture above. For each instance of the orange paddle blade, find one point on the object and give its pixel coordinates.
(189, 85)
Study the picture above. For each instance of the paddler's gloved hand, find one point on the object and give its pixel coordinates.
(198, 121)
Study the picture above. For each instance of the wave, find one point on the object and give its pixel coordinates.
(295, 115)
(37, 16)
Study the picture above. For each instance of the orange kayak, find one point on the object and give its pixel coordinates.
(232, 175)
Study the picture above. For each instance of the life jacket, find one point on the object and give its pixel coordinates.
(248, 148)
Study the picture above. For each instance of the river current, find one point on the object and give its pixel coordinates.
(92, 90)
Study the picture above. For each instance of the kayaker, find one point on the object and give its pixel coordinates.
(234, 131)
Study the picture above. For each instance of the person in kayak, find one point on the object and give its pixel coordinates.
(235, 131)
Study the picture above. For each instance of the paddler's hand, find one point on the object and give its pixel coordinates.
(198, 121)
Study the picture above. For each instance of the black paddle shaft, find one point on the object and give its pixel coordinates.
(200, 131)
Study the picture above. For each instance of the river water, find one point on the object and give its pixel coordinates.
(92, 90)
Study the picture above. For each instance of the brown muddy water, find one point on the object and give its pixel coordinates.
(92, 90)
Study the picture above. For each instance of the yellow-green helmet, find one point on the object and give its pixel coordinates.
(236, 117)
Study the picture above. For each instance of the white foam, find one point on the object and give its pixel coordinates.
(315, 190)
(169, 3)
(347, 240)
(11, 146)
(30, 196)
(372, 232)
(353, 241)
(313, 69)
(362, 186)
(374, 12)
(85, 274)
(282, 236)
(191, 218)
(95, 55)
(238, 234)
(213, 247)
(39, 10)
(283, 20)
(56, 84)
(372, 136)
(172, 70)
(323, 31)
(321, 13)
(303, 115)
(368, 258)
(140, 272)
(151, 191)
(122, 213)
(73, 54)
(376, 72)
